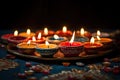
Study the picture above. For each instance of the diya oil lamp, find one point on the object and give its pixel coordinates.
(26, 48)
(83, 33)
(101, 34)
(47, 50)
(64, 32)
(16, 39)
(56, 39)
(107, 42)
(45, 32)
(71, 48)
(92, 47)
(6, 36)
(81, 36)
(38, 39)
(27, 34)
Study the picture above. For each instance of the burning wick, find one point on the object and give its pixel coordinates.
(16, 33)
(98, 33)
(72, 39)
(47, 44)
(28, 31)
(28, 43)
(92, 41)
(82, 32)
(64, 29)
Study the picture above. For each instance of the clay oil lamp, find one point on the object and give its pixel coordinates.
(81, 37)
(71, 48)
(26, 48)
(64, 32)
(56, 39)
(27, 34)
(108, 43)
(83, 33)
(16, 39)
(92, 47)
(101, 34)
(45, 32)
(38, 39)
(6, 36)
(47, 49)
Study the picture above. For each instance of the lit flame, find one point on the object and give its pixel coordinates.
(98, 38)
(33, 38)
(56, 37)
(98, 33)
(39, 36)
(64, 29)
(82, 32)
(28, 31)
(92, 40)
(29, 42)
(45, 31)
(15, 33)
(72, 39)
(47, 43)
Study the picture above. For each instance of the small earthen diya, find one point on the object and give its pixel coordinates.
(101, 34)
(92, 47)
(47, 50)
(26, 48)
(5, 37)
(37, 39)
(56, 39)
(45, 32)
(83, 33)
(27, 34)
(64, 32)
(107, 42)
(71, 49)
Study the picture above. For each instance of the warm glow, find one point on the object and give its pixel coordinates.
(39, 36)
(82, 32)
(98, 38)
(98, 33)
(33, 38)
(92, 40)
(15, 33)
(28, 31)
(45, 31)
(64, 29)
(47, 43)
(72, 39)
(56, 37)
(29, 42)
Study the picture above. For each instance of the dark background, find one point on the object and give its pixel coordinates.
(56, 13)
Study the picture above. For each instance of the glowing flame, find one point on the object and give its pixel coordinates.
(92, 40)
(64, 29)
(47, 43)
(82, 32)
(72, 39)
(33, 38)
(45, 31)
(98, 33)
(15, 33)
(29, 42)
(28, 31)
(39, 36)
(56, 37)
(98, 38)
